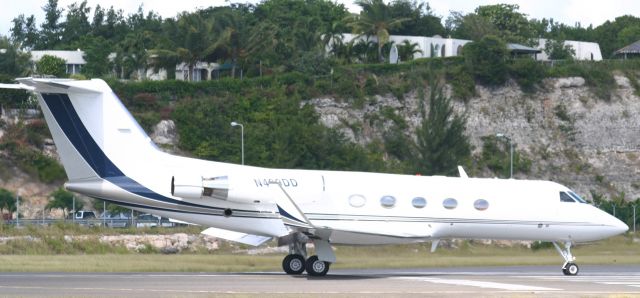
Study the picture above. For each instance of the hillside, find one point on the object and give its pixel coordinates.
(569, 135)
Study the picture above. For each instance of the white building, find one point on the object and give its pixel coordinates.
(437, 46)
(584, 50)
(74, 60)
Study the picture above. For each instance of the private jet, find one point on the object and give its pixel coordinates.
(108, 156)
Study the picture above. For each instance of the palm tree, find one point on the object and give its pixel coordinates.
(192, 40)
(232, 43)
(375, 19)
(406, 50)
(332, 37)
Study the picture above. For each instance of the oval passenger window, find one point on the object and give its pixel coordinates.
(481, 204)
(357, 200)
(388, 201)
(450, 203)
(419, 202)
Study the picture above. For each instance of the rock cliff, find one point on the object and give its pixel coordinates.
(570, 135)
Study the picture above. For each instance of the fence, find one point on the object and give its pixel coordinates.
(96, 222)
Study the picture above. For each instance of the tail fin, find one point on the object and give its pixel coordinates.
(92, 130)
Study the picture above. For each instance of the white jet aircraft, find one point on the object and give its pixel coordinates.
(107, 155)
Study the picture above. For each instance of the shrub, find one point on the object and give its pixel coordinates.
(528, 73)
(486, 60)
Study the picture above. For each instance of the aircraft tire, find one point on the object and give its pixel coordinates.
(315, 267)
(571, 269)
(293, 264)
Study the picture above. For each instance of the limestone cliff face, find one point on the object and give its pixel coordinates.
(571, 136)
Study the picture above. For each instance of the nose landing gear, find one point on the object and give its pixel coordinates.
(569, 267)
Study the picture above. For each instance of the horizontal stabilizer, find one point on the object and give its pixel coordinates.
(249, 239)
(16, 86)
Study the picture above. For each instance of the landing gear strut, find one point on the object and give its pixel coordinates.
(569, 267)
(295, 264)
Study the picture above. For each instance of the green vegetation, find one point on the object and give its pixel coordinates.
(51, 65)
(441, 144)
(7, 201)
(63, 199)
(495, 156)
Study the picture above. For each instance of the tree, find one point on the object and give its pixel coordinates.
(96, 53)
(7, 201)
(51, 27)
(233, 41)
(76, 24)
(421, 19)
(24, 31)
(512, 25)
(470, 26)
(557, 50)
(62, 199)
(441, 143)
(13, 62)
(51, 65)
(406, 50)
(375, 19)
(486, 58)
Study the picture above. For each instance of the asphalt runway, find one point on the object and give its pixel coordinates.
(437, 282)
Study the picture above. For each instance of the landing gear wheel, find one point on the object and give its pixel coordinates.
(293, 264)
(570, 269)
(315, 267)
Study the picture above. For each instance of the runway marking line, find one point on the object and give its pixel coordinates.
(480, 284)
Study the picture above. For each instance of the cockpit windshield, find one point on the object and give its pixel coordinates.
(577, 197)
(571, 197)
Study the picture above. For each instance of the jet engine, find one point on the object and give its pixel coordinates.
(200, 188)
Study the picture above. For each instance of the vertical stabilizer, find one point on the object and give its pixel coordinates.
(94, 133)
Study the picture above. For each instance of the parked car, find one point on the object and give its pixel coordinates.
(116, 220)
(82, 214)
(147, 220)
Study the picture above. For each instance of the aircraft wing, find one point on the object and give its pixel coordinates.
(249, 239)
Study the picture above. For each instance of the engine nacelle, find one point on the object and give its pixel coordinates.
(202, 188)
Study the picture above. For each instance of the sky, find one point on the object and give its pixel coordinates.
(569, 12)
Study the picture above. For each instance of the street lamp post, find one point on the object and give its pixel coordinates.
(241, 138)
(501, 135)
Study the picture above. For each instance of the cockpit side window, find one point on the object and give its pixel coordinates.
(577, 197)
(564, 197)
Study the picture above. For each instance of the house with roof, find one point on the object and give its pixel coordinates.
(74, 60)
(632, 50)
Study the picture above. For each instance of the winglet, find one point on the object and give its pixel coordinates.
(463, 174)
(288, 209)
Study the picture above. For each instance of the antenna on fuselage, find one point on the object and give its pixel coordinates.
(463, 174)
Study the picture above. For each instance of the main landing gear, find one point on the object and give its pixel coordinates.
(295, 263)
(569, 267)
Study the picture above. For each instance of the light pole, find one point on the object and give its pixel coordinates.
(501, 135)
(241, 137)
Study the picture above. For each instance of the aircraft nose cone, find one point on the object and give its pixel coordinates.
(618, 226)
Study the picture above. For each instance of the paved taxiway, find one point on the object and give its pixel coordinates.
(466, 281)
